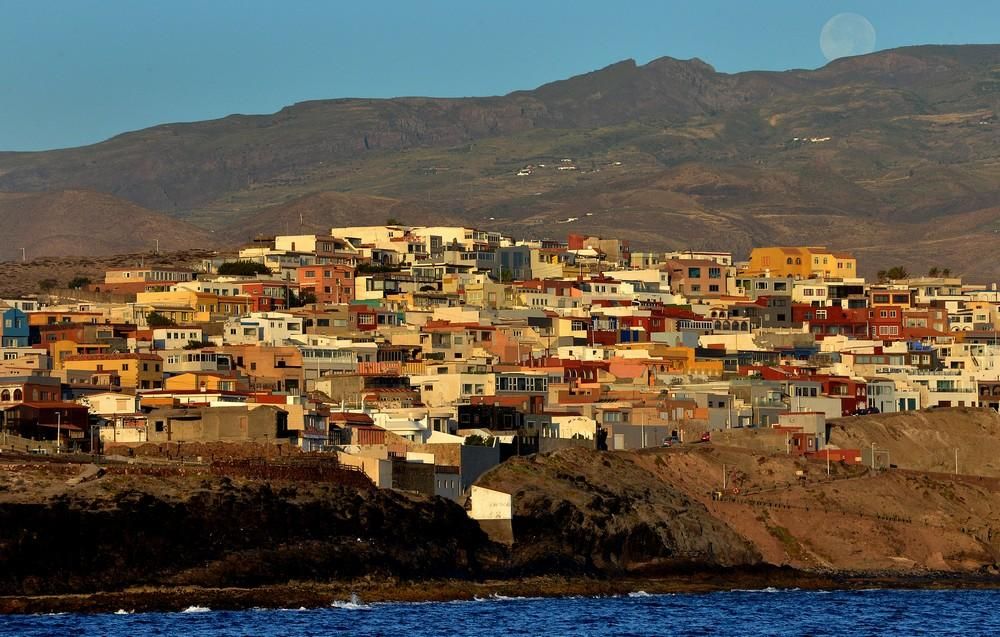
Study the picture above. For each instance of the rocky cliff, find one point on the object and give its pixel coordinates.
(578, 510)
(120, 531)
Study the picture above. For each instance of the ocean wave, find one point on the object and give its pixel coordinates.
(769, 589)
(122, 611)
(497, 597)
(197, 609)
(639, 594)
(354, 603)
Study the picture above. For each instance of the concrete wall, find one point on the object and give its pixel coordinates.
(488, 504)
(475, 461)
(448, 485)
(378, 469)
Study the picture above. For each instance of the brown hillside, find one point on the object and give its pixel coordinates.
(927, 440)
(893, 155)
(86, 223)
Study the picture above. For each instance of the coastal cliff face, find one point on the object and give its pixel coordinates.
(580, 510)
(66, 529)
(122, 531)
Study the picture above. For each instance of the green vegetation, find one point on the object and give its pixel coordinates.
(304, 297)
(479, 441)
(197, 344)
(79, 282)
(894, 273)
(374, 268)
(155, 319)
(47, 285)
(243, 268)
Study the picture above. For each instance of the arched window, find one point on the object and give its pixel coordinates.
(18, 394)
(5, 395)
(798, 261)
(789, 261)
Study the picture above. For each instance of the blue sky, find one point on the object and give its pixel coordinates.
(74, 72)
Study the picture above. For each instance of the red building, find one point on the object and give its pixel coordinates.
(268, 296)
(883, 323)
(332, 284)
(853, 394)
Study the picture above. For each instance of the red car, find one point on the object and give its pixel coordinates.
(706, 437)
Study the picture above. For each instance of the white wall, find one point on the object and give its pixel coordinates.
(488, 504)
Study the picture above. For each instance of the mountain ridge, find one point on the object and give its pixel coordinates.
(891, 140)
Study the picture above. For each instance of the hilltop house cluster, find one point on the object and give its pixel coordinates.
(425, 355)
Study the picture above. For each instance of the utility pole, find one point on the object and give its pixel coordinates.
(724, 477)
(873, 455)
(24, 256)
(828, 462)
(642, 425)
(58, 432)
(956, 461)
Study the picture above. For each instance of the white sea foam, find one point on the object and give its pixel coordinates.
(354, 603)
(197, 609)
(639, 594)
(506, 598)
(122, 611)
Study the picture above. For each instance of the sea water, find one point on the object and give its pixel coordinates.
(742, 613)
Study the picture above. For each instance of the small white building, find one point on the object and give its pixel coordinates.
(262, 328)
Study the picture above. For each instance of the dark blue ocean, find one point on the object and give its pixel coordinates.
(743, 613)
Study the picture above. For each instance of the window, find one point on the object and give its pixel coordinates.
(18, 394)
(713, 288)
(694, 273)
(5, 395)
(715, 273)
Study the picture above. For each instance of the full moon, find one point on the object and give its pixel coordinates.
(846, 34)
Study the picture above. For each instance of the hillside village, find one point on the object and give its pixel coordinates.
(424, 356)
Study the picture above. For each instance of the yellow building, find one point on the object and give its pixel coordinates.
(62, 349)
(190, 306)
(196, 381)
(801, 263)
(666, 361)
(138, 371)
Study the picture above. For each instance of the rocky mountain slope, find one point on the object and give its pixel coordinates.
(88, 223)
(580, 511)
(892, 155)
(135, 530)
